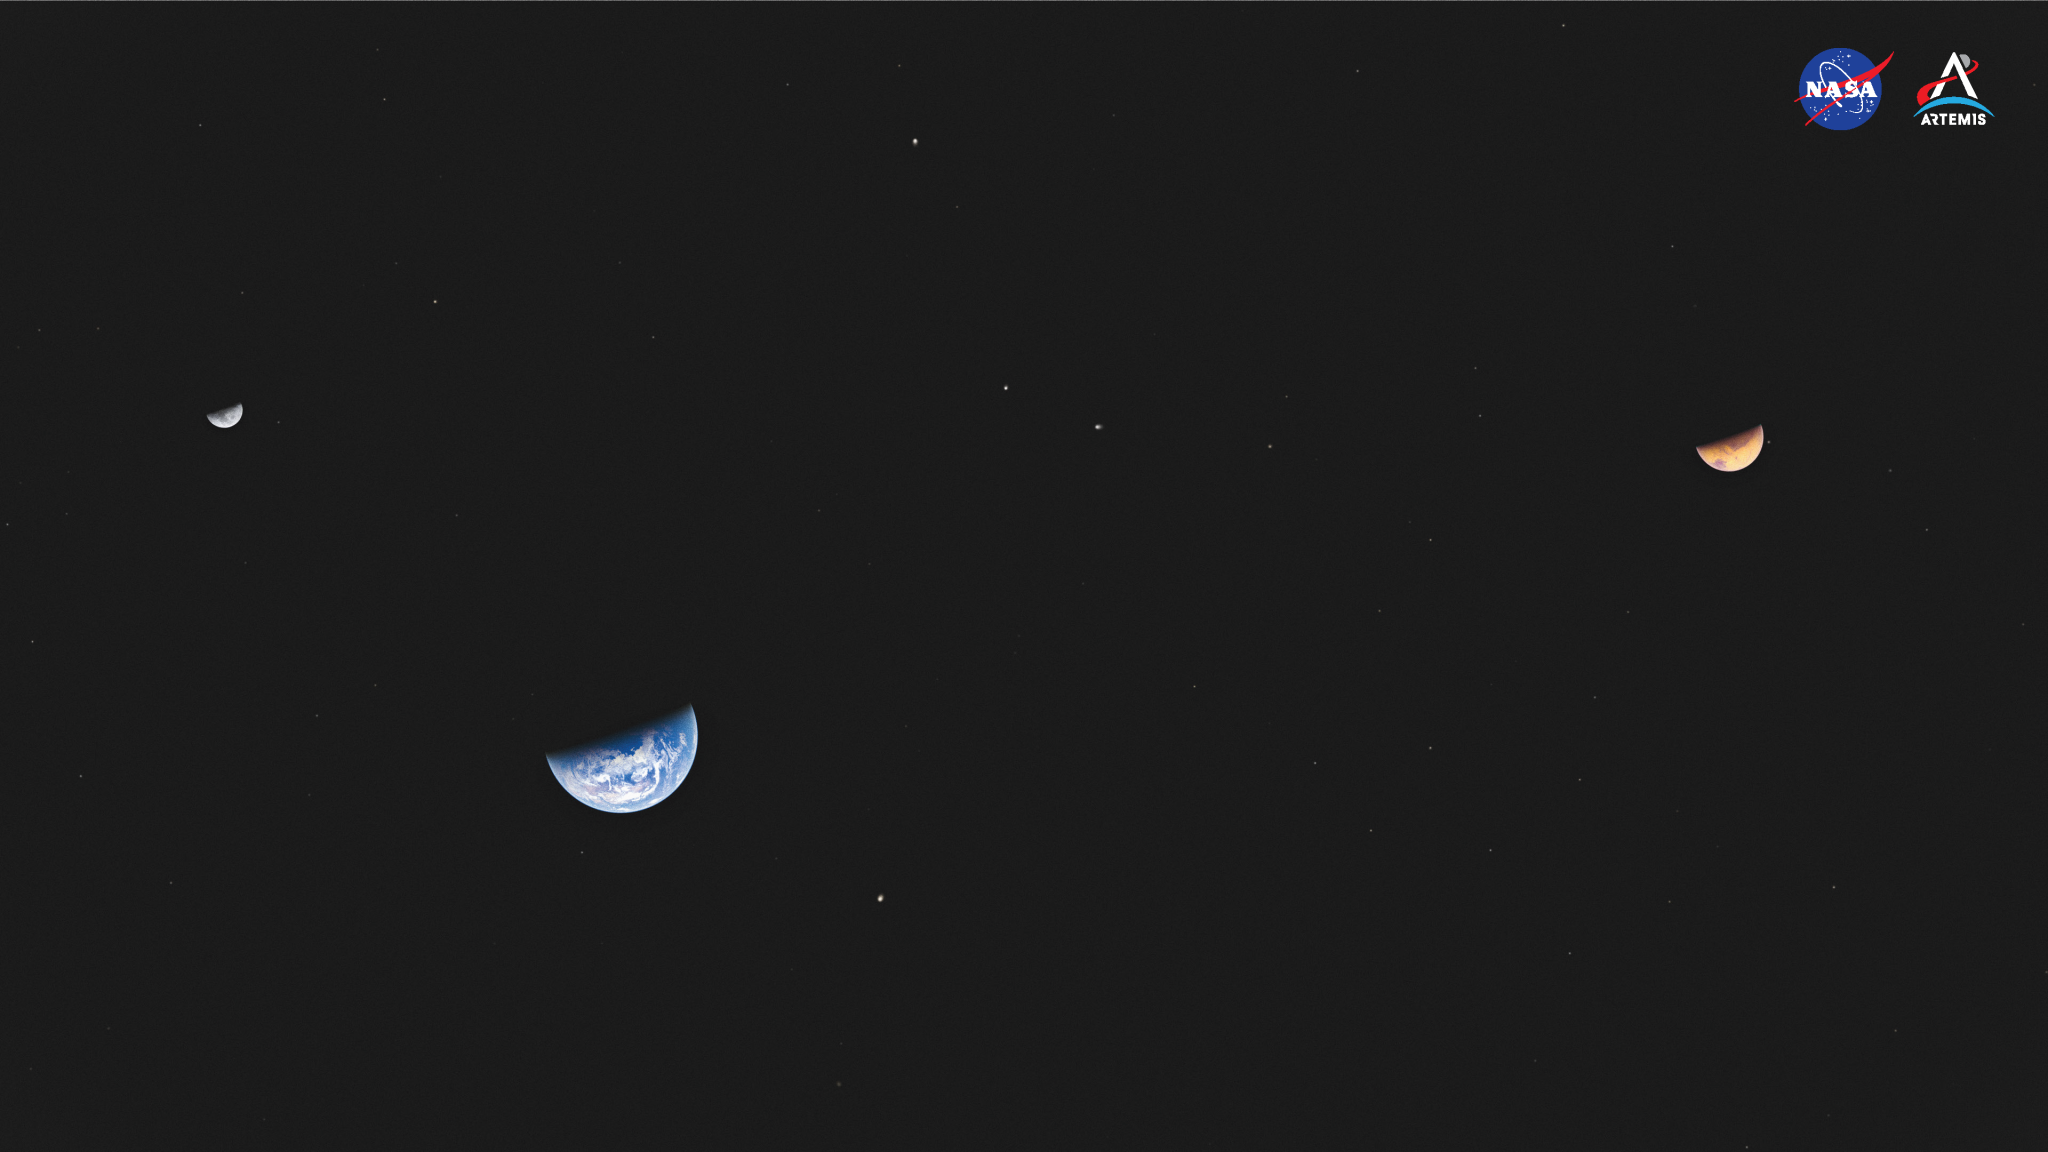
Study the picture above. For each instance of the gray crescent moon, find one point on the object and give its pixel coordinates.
(226, 417)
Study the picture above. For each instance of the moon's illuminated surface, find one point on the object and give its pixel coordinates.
(1734, 453)
(226, 417)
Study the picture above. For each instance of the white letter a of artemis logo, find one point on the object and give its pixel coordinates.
(1960, 65)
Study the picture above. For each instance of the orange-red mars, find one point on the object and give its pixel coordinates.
(1734, 453)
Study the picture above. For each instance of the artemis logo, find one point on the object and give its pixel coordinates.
(1958, 72)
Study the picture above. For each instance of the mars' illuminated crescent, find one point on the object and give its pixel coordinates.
(1734, 453)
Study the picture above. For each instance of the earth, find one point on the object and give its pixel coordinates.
(633, 770)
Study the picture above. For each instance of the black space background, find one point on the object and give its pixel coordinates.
(1382, 732)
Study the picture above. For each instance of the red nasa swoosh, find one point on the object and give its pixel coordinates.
(1933, 84)
(1853, 80)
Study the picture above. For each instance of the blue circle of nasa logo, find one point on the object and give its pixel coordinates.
(1840, 88)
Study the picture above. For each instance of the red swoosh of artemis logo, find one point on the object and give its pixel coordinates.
(1931, 85)
(1854, 80)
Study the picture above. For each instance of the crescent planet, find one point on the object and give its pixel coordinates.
(1733, 453)
(226, 417)
(632, 770)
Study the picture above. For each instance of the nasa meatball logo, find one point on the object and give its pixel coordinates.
(1958, 72)
(1840, 89)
